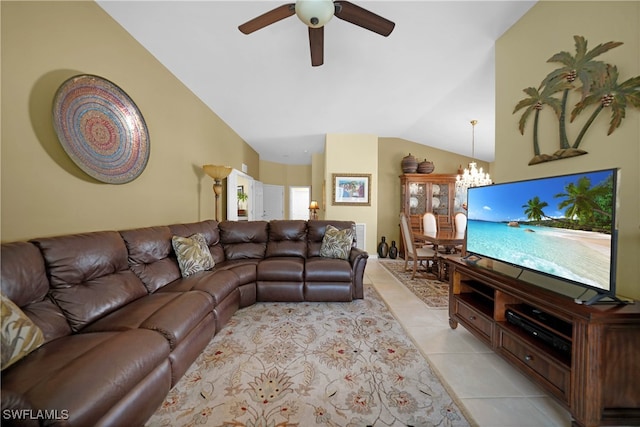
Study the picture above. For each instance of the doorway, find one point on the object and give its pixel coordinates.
(299, 199)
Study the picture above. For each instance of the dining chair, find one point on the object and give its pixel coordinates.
(444, 223)
(429, 223)
(460, 224)
(411, 251)
(429, 226)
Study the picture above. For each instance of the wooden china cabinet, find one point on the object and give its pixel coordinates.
(421, 193)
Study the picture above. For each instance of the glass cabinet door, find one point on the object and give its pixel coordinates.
(417, 198)
(440, 199)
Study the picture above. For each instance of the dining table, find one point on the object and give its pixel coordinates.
(444, 242)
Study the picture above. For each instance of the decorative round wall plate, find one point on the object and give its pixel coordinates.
(101, 129)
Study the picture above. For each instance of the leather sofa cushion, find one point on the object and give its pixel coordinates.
(316, 230)
(217, 283)
(87, 374)
(281, 269)
(24, 281)
(320, 269)
(89, 275)
(245, 269)
(244, 239)
(151, 256)
(287, 238)
(159, 312)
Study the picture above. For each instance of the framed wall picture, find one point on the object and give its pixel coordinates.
(351, 189)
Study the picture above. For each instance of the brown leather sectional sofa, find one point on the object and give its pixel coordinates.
(120, 323)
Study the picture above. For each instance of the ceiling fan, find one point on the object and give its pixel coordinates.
(315, 14)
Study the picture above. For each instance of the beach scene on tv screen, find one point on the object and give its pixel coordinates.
(559, 226)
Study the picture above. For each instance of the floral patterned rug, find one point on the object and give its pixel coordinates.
(311, 364)
(432, 292)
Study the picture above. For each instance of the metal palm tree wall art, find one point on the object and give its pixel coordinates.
(598, 86)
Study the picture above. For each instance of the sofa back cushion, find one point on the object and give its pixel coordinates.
(151, 257)
(209, 229)
(89, 275)
(316, 230)
(23, 280)
(244, 239)
(287, 238)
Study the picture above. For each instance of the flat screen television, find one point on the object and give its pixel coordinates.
(560, 226)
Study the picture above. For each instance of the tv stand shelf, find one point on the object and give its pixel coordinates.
(588, 357)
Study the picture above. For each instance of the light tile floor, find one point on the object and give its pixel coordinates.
(493, 393)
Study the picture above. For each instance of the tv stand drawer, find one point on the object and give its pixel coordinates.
(552, 374)
(474, 320)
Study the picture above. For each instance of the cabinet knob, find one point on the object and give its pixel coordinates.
(528, 358)
(472, 317)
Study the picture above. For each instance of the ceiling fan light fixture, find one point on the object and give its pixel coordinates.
(315, 13)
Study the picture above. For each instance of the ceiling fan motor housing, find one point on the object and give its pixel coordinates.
(315, 13)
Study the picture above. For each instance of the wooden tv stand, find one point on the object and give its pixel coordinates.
(590, 361)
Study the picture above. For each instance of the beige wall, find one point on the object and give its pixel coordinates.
(318, 183)
(353, 153)
(43, 192)
(521, 61)
(390, 154)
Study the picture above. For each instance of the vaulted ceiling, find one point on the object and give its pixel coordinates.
(424, 83)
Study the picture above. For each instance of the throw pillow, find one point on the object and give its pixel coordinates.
(20, 336)
(336, 243)
(193, 254)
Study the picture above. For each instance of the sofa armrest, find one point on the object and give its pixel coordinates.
(358, 260)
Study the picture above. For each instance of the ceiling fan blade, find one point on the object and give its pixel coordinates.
(275, 15)
(316, 43)
(363, 18)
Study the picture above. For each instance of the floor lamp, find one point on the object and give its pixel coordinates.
(218, 173)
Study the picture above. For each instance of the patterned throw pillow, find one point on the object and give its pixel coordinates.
(20, 336)
(193, 254)
(336, 243)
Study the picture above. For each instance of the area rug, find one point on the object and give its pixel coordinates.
(432, 292)
(311, 364)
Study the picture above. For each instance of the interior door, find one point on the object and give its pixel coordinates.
(257, 207)
(273, 201)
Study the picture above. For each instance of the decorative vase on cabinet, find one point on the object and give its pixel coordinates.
(426, 167)
(409, 164)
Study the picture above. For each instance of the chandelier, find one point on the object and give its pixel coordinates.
(472, 176)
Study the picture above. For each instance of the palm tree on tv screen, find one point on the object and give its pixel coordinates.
(581, 201)
(585, 206)
(534, 207)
